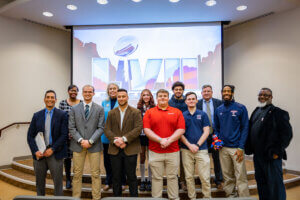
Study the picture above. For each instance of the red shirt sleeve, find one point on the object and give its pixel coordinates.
(146, 120)
(181, 122)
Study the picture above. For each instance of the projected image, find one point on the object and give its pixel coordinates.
(151, 57)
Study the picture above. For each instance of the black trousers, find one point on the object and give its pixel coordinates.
(119, 162)
(269, 178)
(216, 160)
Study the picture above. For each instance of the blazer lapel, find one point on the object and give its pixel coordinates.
(201, 104)
(53, 120)
(81, 108)
(126, 118)
(43, 120)
(118, 118)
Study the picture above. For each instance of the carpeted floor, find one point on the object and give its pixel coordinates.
(8, 192)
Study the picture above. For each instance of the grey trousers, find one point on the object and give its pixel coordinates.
(56, 170)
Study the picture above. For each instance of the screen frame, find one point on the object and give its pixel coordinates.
(222, 23)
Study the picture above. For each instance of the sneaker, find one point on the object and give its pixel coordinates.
(148, 186)
(143, 186)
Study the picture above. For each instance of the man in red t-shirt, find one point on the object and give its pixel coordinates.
(164, 125)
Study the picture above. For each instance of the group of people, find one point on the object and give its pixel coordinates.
(175, 135)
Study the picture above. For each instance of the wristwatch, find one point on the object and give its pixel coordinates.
(198, 145)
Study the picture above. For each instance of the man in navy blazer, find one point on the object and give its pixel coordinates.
(212, 103)
(53, 123)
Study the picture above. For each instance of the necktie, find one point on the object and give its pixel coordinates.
(48, 139)
(209, 116)
(87, 111)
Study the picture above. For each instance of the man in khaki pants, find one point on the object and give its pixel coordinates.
(164, 125)
(86, 124)
(194, 148)
(231, 126)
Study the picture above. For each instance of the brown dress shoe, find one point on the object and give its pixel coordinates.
(106, 188)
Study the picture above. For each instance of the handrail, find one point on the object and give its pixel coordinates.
(12, 124)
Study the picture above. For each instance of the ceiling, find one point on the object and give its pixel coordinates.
(89, 12)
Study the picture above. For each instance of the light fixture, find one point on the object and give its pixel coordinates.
(71, 7)
(210, 2)
(241, 8)
(47, 14)
(102, 2)
(136, 1)
(174, 1)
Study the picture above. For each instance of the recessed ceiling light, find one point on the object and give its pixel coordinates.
(174, 1)
(241, 8)
(210, 2)
(47, 14)
(72, 7)
(102, 2)
(136, 1)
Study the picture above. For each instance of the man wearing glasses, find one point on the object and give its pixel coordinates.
(269, 135)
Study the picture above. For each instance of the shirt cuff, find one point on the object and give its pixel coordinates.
(79, 140)
(124, 139)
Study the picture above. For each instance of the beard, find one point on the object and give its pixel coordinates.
(261, 105)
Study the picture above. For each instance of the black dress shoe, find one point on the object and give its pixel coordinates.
(68, 184)
(148, 186)
(143, 186)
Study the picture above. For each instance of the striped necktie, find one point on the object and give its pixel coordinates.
(87, 111)
(208, 111)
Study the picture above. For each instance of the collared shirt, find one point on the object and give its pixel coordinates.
(122, 114)
(164, 123)
(51, 114)
(211, 106)
(90, 105)
(194, 124)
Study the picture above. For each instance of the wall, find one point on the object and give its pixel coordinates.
(265, 53)
(33, 58)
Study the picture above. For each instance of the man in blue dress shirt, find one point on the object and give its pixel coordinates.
(194, 147)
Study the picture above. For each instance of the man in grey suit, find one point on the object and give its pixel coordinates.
(86, 124)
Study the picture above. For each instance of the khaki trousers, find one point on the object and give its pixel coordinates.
(159, 162)
(234, 173)
(189, 160)
(78, 165)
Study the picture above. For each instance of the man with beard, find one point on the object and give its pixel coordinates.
(270, 133)
(178, 101)
(231, 126)
(123, 127)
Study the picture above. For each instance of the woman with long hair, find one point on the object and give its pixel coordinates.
(145, 102)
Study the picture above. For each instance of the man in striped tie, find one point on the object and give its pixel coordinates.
(86, 124)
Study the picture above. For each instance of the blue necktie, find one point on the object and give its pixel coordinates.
(87, 111)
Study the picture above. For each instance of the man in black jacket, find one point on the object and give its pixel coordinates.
(209, 104)
(269, 135)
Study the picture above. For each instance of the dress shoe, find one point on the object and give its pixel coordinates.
(143, 186)
(106, 188)
(68, 184)
(183, 186)
(148, 186)
(220, 186)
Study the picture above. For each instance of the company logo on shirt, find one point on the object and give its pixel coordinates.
(171, 113)
(199, 117)
(233, 113)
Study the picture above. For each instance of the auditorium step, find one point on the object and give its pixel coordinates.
(21, 174)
